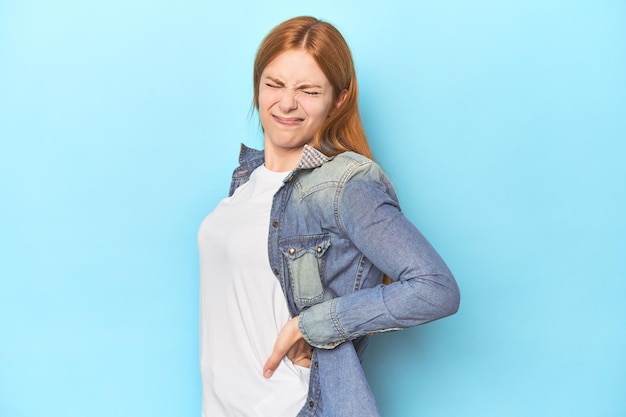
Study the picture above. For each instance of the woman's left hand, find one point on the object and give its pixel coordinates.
(289, 343)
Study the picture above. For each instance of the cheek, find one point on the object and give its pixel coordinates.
(267, 99)
(262, 102)
(319, 111)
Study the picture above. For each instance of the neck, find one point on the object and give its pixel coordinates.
(282, 160)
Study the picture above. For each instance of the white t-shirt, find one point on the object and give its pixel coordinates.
(242, 309)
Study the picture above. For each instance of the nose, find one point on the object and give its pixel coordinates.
(288, 100)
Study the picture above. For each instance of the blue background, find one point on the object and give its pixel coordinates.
(502, 125)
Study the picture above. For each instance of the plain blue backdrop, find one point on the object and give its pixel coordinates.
(502, 125)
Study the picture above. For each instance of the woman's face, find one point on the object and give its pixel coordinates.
(295, 98)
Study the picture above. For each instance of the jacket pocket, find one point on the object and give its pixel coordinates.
(305, 259)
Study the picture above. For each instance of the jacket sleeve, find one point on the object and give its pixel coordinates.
(424, 290)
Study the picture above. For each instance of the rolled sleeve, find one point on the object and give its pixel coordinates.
(319, 325)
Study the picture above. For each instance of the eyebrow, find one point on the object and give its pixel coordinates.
(301, 86)
(305, 86)
(274, 80)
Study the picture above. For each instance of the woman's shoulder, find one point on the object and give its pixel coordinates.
(353, 158)
(353, 164)
(342, 168)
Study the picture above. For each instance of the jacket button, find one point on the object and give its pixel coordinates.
(311, 404)
(292, 251)
(274, 223)
(275, 270)
(319, 249)
(315, 364)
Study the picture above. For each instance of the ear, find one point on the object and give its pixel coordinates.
(341, 98)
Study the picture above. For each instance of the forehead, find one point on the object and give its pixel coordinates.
(295, 65)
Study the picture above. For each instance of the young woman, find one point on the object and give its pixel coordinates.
(292, 262)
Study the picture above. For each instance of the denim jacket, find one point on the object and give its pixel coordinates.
(335, 228)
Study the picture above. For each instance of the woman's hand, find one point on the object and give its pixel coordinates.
(289, 343)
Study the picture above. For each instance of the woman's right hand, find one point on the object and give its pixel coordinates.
(291, 344)
(300, 353)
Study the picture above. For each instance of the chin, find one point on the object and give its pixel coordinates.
(289, 142)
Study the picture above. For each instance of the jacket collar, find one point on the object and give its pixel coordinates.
(249, 156)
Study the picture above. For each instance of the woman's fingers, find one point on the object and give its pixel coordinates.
(287, 338)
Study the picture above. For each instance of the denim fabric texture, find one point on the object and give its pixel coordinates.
(336, 227)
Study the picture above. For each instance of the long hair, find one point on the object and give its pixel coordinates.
(343, 130)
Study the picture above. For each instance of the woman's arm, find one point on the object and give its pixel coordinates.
(424, 289)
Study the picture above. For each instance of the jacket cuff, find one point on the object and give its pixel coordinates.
(319, 325)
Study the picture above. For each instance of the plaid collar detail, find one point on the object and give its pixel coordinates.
(312, 158)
